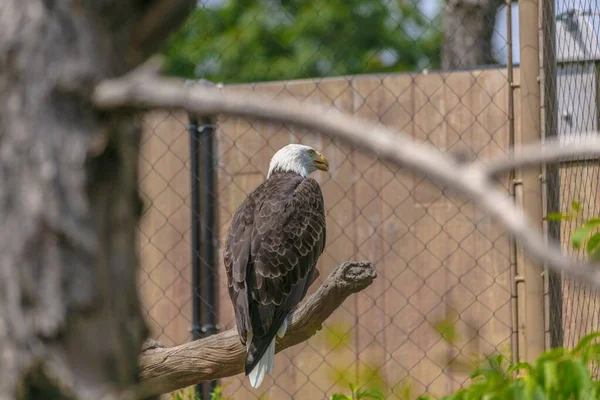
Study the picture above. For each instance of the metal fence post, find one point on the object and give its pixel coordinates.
(514, 337)
(529, 190)
(204, 235)
(551, 186)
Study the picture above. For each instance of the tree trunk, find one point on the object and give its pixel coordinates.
(70, 319)
(468, 27)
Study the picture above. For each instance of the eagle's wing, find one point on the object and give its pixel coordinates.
(236, 257)
(287, 239)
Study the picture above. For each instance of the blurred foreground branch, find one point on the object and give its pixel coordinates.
(144, 89)
(222, 355)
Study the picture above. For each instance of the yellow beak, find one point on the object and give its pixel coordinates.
(321, 162)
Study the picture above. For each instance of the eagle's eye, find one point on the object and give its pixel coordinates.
(311, 153)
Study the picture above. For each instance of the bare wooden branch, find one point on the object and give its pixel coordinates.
(470, 180)
(221, 355)
(551, 151)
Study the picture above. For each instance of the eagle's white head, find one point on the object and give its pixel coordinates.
(299, 159)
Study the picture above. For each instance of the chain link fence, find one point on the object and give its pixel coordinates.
(443, 293)
(573, 55)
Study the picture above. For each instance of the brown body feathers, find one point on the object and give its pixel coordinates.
(271, 251)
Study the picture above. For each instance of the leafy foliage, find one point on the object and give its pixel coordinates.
(249, 41)
(558, 374)
(558, 216)
(189, 393)
(357, 394)
(586, 234)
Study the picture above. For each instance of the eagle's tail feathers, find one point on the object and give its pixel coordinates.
(248, 339)
(264, 366)
(282, 329)
(271, 362)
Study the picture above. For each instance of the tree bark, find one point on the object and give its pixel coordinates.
(468, 27)
(70, 318)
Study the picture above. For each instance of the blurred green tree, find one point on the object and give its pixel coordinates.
(264, 40)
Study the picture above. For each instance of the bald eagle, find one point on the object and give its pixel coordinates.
(271, 251)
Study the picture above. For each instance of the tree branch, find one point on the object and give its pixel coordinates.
(471, 180)
(552, 151)
(221, 355)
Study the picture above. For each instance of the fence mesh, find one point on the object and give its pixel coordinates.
(573, 54)
(440, 261)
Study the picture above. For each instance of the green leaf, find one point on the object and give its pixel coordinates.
(552, 354)
(370, 394)
(339, 396)
(557, 216)
(551, 376)
(588, 353)
(575, 376)
(521, 365)
(593, 222)
(593, 243)
(594, 255)
(499, 359)
(585, 342)
(352, 388)
(582, 232)
(579, 236)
